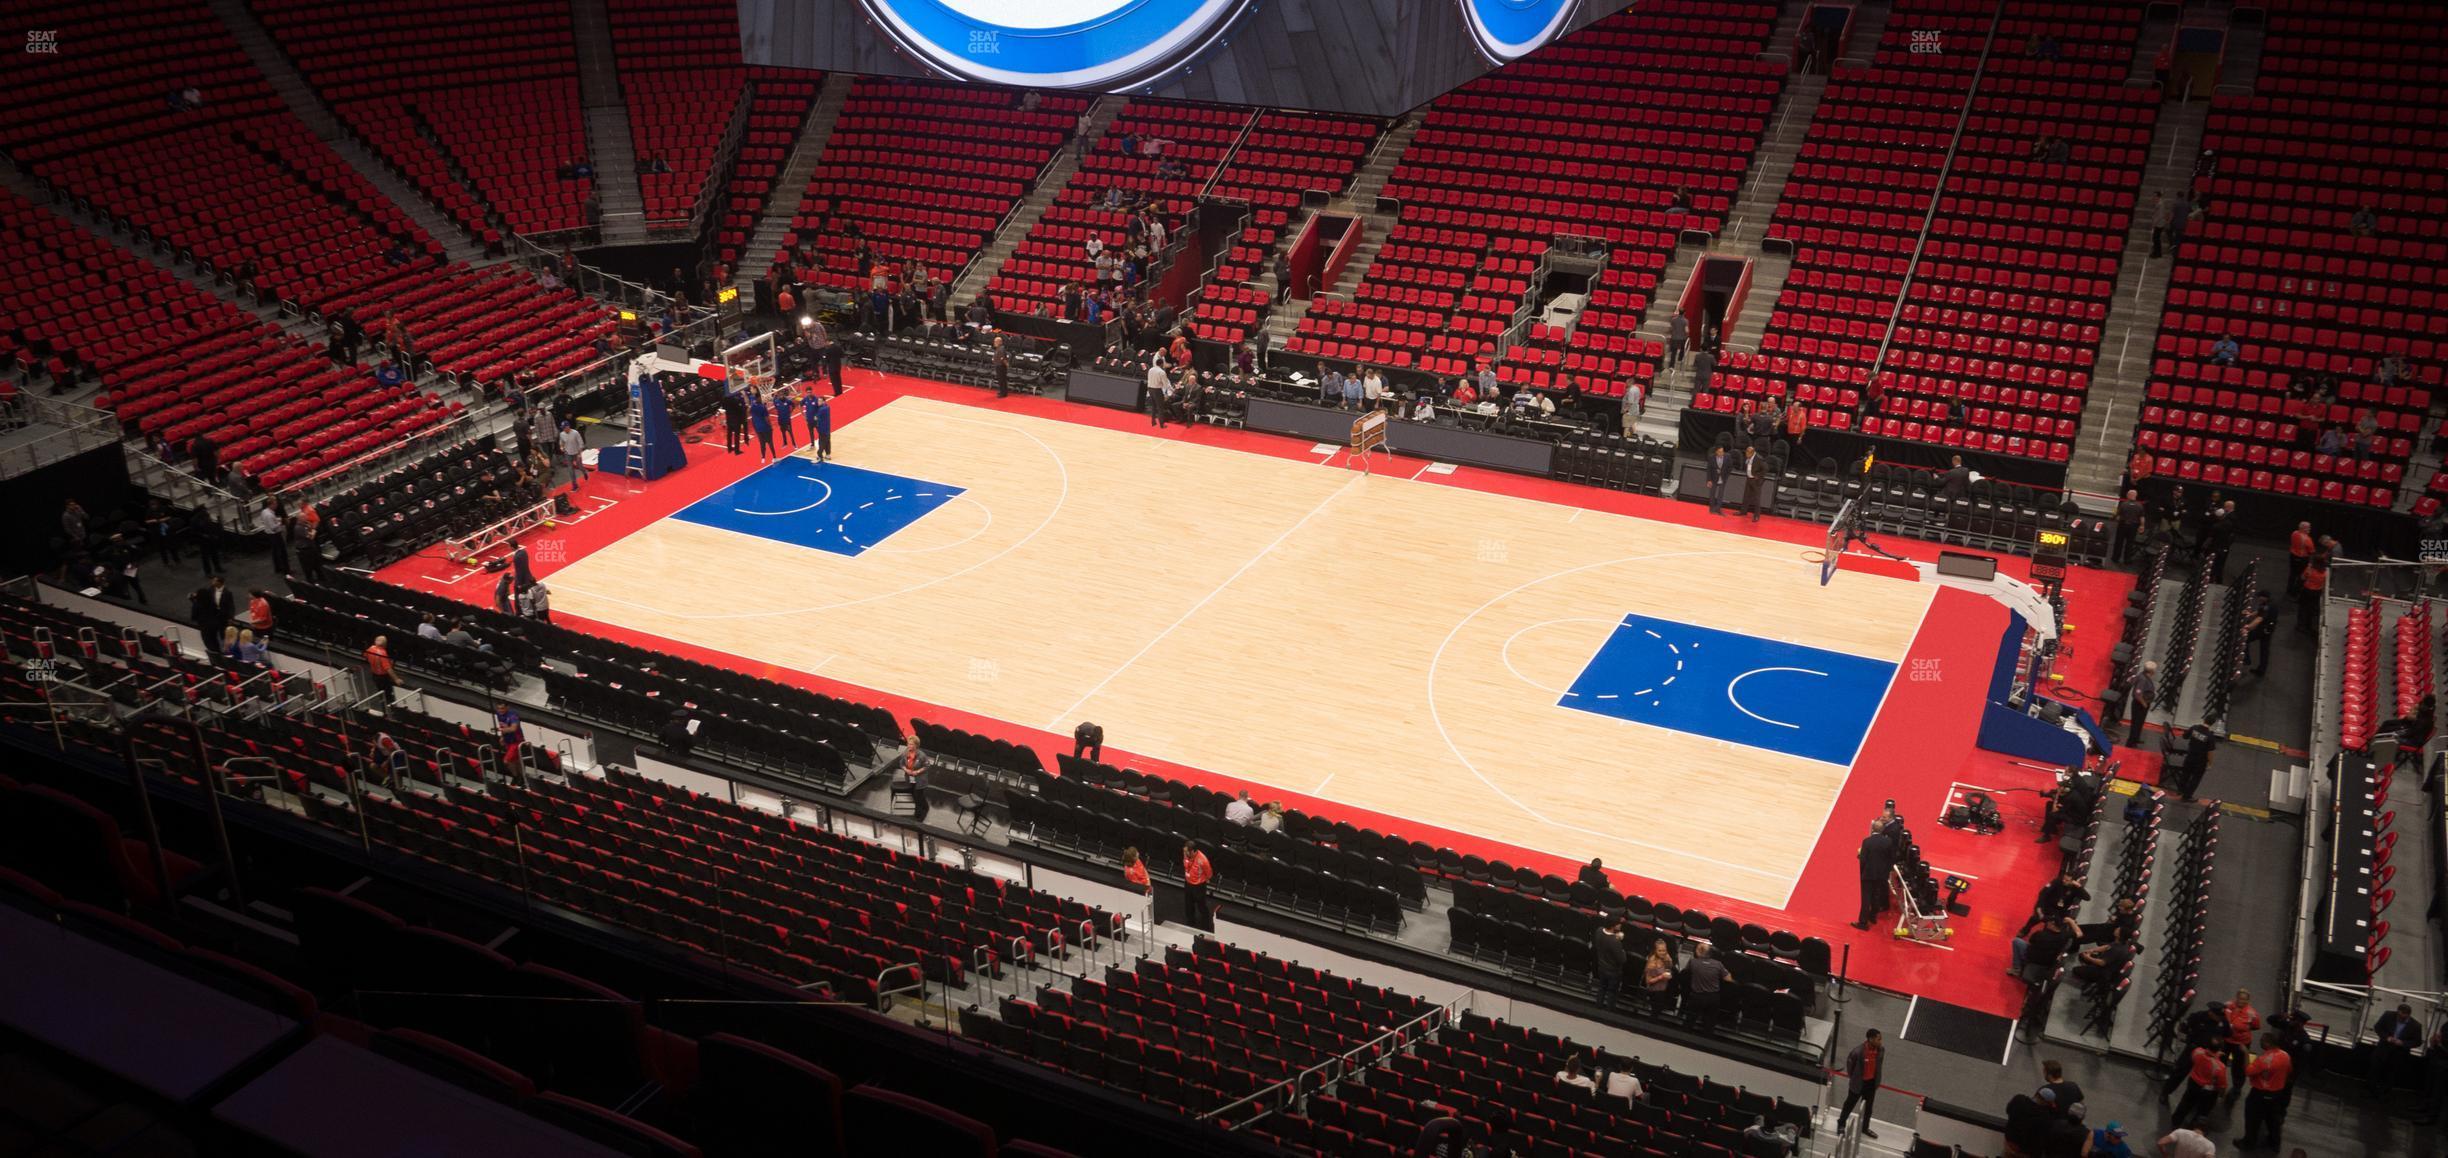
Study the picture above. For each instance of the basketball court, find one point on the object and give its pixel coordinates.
(1534, 674)
(1528, 670)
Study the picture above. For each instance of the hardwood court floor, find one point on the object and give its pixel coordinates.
(1390, 644)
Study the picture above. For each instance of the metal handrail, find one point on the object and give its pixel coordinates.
(147, 457)
(1929, 217)
(1345, 1062)
(884, 996)
(83, 428)
(716, 188)
(408, 445)
(1225, 161)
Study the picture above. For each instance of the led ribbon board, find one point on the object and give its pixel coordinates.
(1094, 44)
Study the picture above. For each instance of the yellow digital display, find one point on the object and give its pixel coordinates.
(2052, 538)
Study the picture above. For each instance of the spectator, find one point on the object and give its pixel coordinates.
(2109, 1142)
(1241, 810)
(2027, 1120)
(1271, 817)
(388, 373)
(1135, 872)
(1764, 1139)
(1571, 1074)
(259, 613)
(1657, 976)
(1442, 1135)
(536, 603)
(2162, 219)
(378, 665)
(1594, 873)
(1863, 1070)
(2035, 957)
(573, 451)
(1704, 981)
(2143, 696)
(2435, 1072)
(2366, 220)
(2064, 1135)
(2397, 1033)
(2225, 350)
(1876, 860)
(2103, 965)
(2186, 1143)
(1607, 953)
(1622, 1083)
(2053, 1079)
(2124, 922)
(2129, 515)
(1196, 875)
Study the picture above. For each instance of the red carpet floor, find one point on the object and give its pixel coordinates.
(1920, 747)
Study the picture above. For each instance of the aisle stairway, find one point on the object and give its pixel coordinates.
(1024, 217)
(1771, 165)
(1360, 197)
(306, 106)
(807, 150)
(609, 147)
(2123, 371)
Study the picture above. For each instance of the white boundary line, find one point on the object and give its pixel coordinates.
(1886, 698)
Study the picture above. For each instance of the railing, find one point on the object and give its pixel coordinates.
(82, 428)
(1929, 217)
(1224, 162)
(231, 509)
(716, 189)
(342, 475)
(536, 252)
(1283, 1094)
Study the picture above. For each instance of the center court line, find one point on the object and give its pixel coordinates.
(1204, 600)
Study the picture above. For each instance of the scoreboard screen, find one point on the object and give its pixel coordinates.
(1367, 57)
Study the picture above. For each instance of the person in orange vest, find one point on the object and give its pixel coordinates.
(2204, 1082)
(2242, 1021)
(1134, 870)
(1196, 872)
(2265, 1107)
(2300, 548)
(1797, 423)
(259, 615)
(2137, 469)
(378, 664)
(2308, 590)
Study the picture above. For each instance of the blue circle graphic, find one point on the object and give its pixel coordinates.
(1511, 29)
(1094, 44)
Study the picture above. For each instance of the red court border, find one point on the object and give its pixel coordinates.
(1919, 746)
